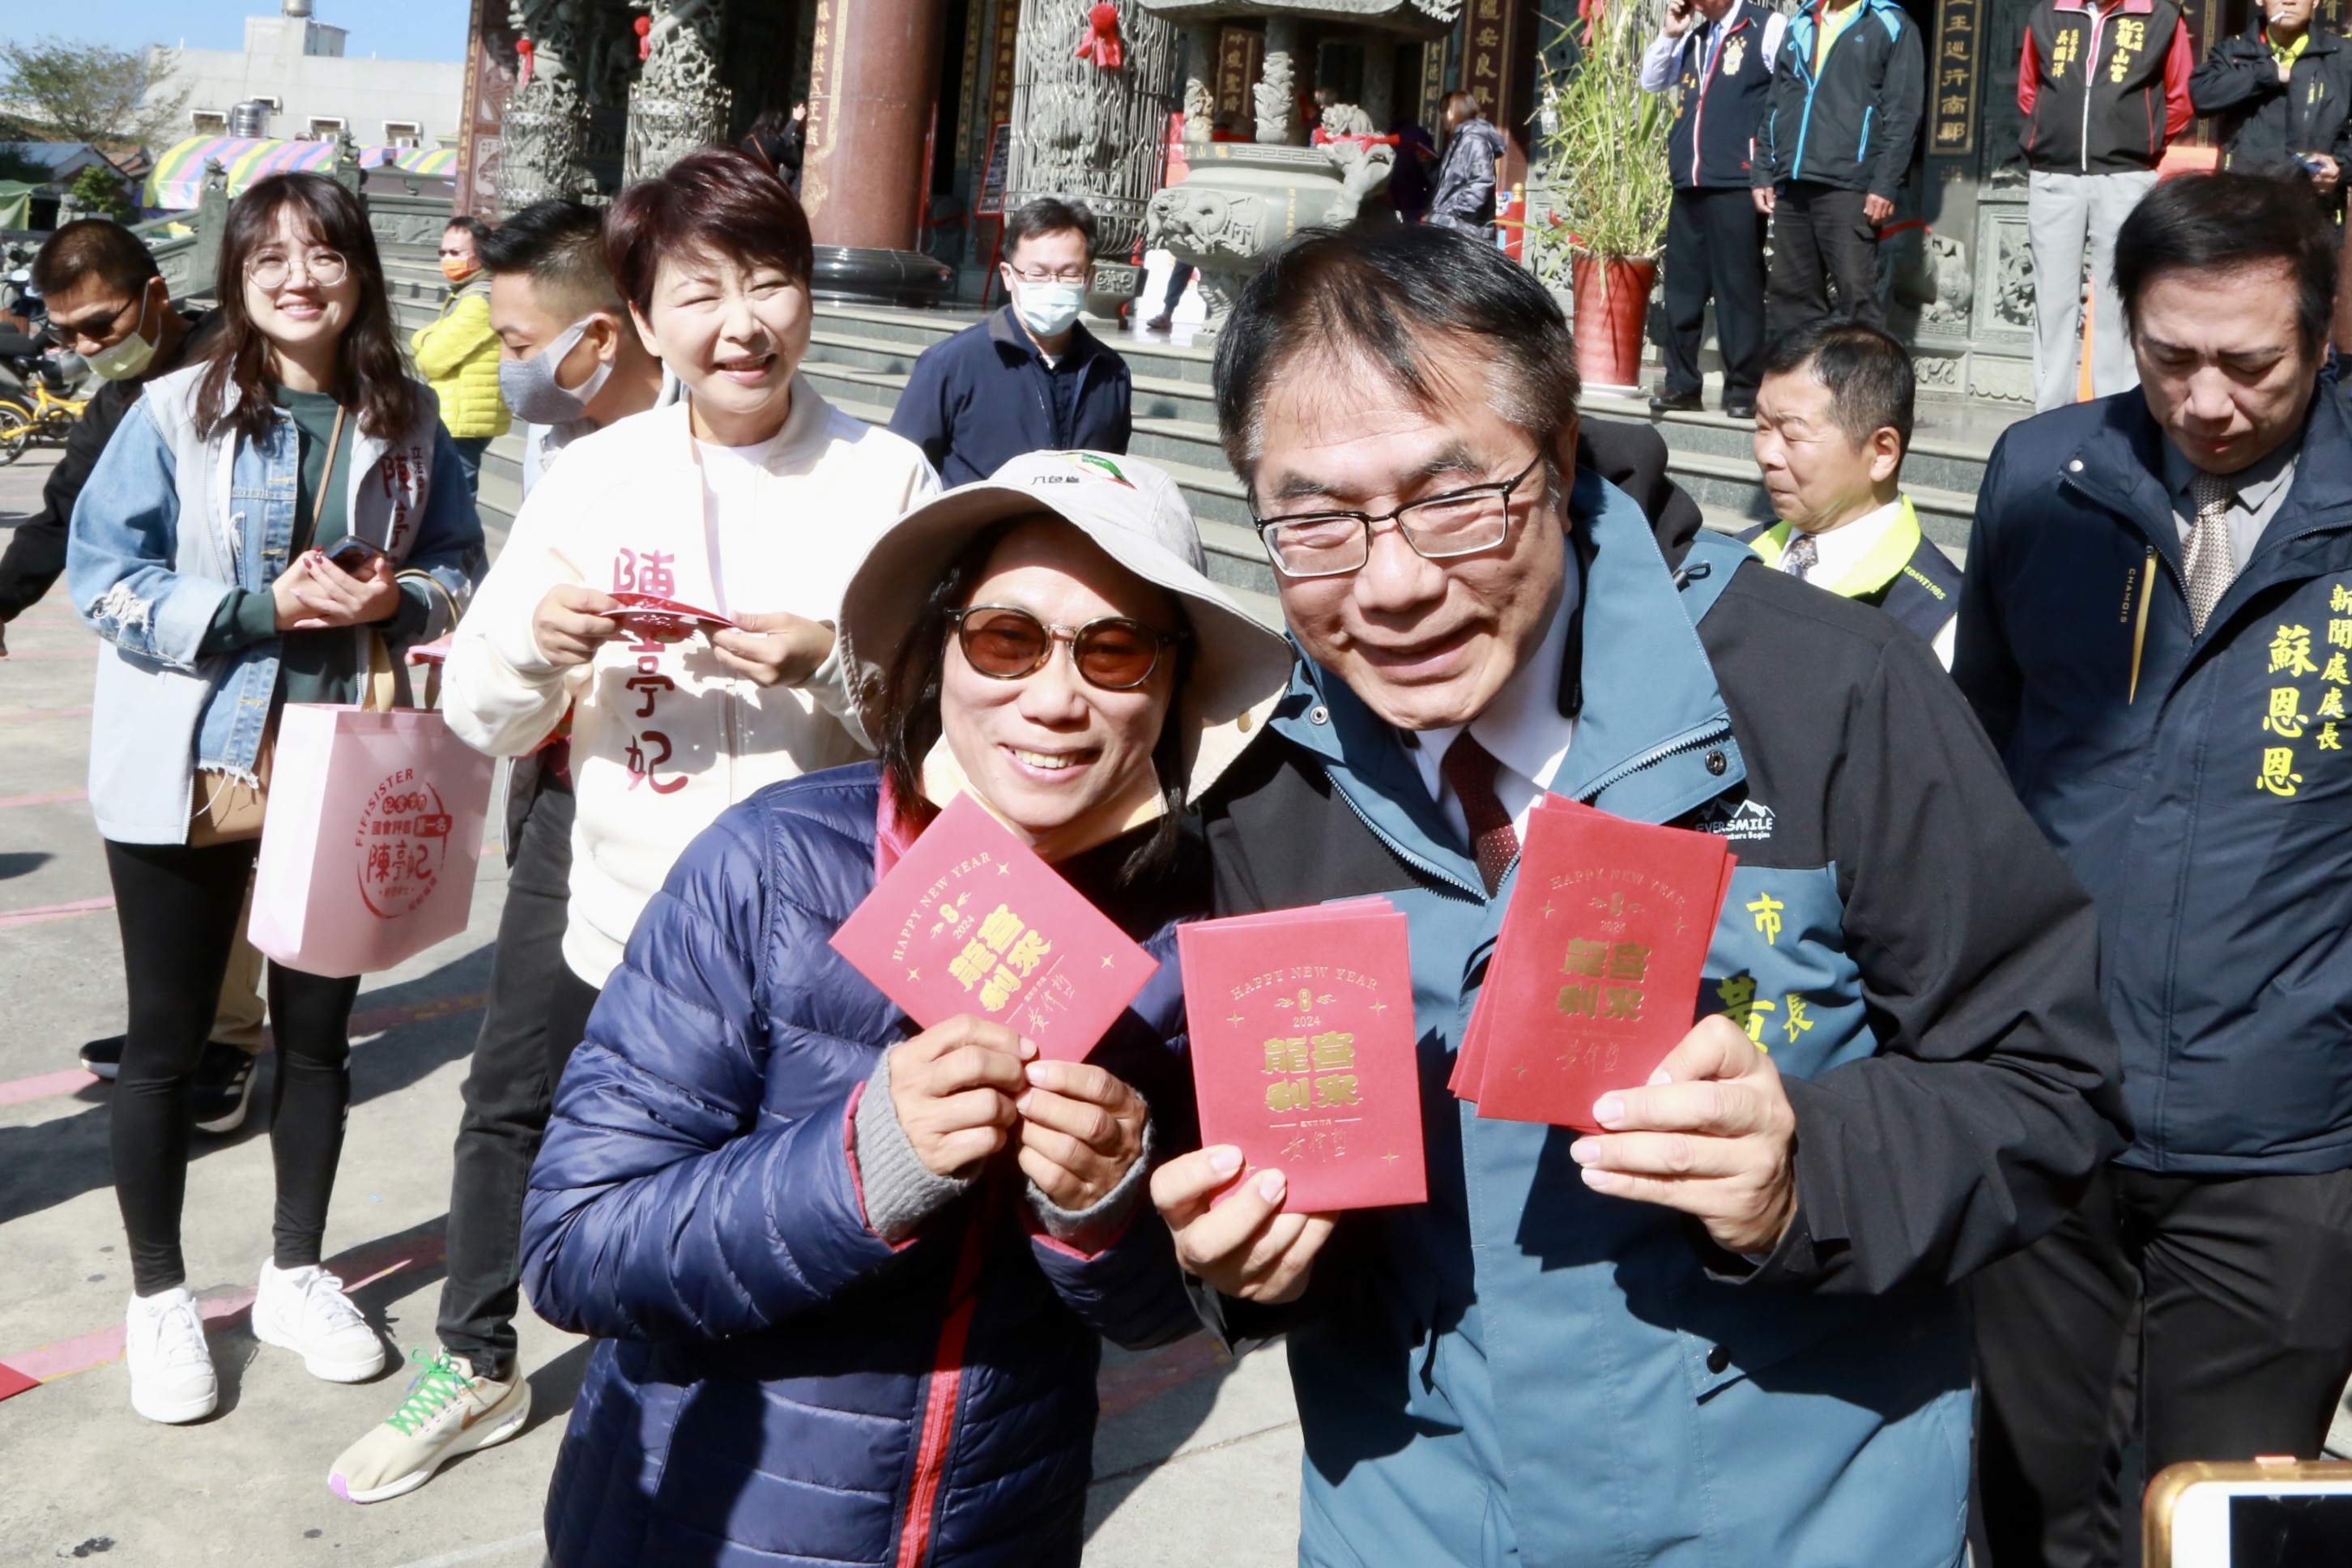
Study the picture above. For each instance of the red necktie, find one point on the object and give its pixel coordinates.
(1469, 769)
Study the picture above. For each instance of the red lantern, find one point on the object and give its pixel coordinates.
(523, 49)
(1101, 44)
(644, 26)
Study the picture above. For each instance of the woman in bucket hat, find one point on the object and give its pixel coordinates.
(847, 1278)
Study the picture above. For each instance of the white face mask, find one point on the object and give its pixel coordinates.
(1048, 309)
(129, 359)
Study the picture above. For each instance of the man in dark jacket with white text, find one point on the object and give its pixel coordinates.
(2155, 629)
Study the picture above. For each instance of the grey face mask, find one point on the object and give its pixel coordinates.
(530, 389)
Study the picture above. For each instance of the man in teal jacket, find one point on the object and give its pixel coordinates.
(1725, 1330)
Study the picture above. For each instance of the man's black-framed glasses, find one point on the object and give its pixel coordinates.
(1333, 543)
(1006, 643)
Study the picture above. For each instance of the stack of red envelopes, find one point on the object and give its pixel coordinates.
(971, 921)
(1595, 976)
(1303, 1050)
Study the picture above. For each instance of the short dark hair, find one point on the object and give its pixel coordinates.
(561, 244)
(93, 247)
(720, 201)
(1048, 215)
(473, 226)
(1390, 294)
(1868, 373)
(2220, 223)
(1470, 103)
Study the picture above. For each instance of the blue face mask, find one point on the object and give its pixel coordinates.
(1048, 309)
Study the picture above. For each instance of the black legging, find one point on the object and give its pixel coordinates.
(178, 908)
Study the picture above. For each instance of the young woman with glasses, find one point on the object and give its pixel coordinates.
(270, 524)
(848, 1276)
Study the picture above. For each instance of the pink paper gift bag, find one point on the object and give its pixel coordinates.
(372, 838)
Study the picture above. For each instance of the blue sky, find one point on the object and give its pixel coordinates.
(393, 29)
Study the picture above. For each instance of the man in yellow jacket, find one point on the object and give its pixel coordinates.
(459, 353)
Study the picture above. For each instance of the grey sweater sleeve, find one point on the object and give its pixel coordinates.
(1092, 1229)
(900, 1190)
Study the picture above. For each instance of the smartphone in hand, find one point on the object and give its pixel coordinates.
(355, 555)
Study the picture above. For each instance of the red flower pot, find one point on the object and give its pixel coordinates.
(1612, 301)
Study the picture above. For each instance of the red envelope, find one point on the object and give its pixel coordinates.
(654, 616)
(1303, 1050)
(971, 921)
(1595, 977)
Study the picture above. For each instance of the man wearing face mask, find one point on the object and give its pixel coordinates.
(109, 304)
(569, 363)
(1030, 378)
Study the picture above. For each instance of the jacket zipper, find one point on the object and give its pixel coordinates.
(938, 1436)
(2090, 81)
(1861, 153)
(2139, 622)
(1708, 61)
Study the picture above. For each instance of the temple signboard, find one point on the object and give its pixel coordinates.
(1952, 96)
(490, 83)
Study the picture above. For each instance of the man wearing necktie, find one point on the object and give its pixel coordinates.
(2155, 629)
(1725, 1329)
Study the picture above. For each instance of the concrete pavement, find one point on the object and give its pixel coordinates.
(1197, 1458)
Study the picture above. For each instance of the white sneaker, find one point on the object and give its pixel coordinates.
(171, 1367)
(305, 1310)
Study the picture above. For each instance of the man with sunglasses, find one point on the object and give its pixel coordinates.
(1030, 378)
(1725, 1329)
(109, 303)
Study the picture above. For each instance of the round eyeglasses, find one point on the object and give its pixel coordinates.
(1007, 644)
(1333, 543)
(271, 270)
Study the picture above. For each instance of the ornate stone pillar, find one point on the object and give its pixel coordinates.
(1200, 73)
(1276, 93)
(543, 137)
(873, 65)
(1088, 134)
(679, 102)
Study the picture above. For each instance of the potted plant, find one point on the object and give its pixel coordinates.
(1601, 169)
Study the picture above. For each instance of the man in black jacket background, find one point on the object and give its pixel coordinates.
(108, 302)
(2155, 628)
(2282, 95)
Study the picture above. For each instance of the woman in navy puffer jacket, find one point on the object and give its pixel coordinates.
(847, 1283)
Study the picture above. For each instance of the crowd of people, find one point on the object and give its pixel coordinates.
(2014, 1123)
(1811, 125)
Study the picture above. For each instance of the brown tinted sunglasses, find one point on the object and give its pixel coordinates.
(1007, 644)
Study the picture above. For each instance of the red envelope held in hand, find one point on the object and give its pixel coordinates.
(653, 616)
(971, 920)
(1595, 976)
(1303, 1050)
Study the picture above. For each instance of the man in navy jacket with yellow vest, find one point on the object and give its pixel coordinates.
(1833, 424)
(2104, 89)
(1717, 57)
(2156, 629)
(1834, 152)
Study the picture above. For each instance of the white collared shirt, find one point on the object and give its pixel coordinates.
(1841, 550)
(1522, 727)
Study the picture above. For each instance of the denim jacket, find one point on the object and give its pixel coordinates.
(168, 524)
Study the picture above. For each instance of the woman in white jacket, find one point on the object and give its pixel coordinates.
(751, 496)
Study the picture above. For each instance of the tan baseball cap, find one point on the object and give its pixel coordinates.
(1132, 509)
